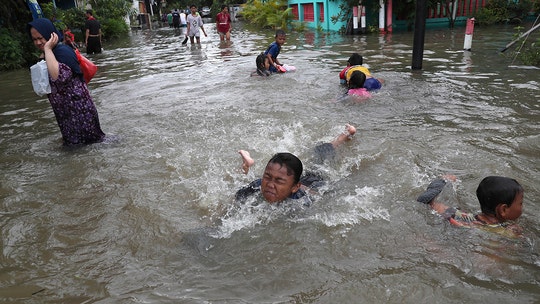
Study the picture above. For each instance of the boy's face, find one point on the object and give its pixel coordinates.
(280, 39)
(514, 211)
(276, 184)
(193, 10)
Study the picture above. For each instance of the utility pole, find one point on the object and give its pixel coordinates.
(419, 34)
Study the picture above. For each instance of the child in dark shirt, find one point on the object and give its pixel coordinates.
(282, 178)
(267, 61)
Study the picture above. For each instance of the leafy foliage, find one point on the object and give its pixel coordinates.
(527, 53)
(531, 54)
(114, 28)
(12, 12)
(498, 11)
(10, 51)
(110, 13)
(270, 14)
(17, 50)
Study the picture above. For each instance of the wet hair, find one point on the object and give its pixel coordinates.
(280, 33)
(357, 80)
(355, 59)
(495, 190)
(291, 162)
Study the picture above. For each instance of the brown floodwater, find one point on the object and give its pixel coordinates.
(148, 216)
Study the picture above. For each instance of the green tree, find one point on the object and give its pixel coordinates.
(111, 15)
(16, 48)
(11, 56)
(499, 11)
(12, 12)
(268, 14)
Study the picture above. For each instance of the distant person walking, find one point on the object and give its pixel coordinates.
(183, 20)
(194, 23)
(176, 19)
(93, 34)
(223, 21)
(169, 19)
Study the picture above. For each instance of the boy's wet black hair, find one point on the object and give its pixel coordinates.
(357, 80)
(291, 162)
(355, 59)
(495, 190)
(280, 33)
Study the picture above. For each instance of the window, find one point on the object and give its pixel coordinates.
(308, 12)
(294, 11)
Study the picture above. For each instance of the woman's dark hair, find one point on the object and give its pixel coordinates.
(495, 190)
(357, 80)
(291, 162)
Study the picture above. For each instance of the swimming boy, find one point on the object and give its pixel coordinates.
(282, 178)
(501, 201)
(355, 64)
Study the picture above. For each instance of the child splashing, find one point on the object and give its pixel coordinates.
(282, 178)
(267, 62)
(500, 198)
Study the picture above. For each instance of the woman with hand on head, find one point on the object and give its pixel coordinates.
(70, 99)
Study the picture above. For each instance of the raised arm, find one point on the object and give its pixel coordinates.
(50, 59)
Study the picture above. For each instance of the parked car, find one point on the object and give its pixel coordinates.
(205, 11)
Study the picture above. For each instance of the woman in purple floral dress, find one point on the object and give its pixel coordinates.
(70, 99)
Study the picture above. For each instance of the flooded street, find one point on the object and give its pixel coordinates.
(149, 215)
